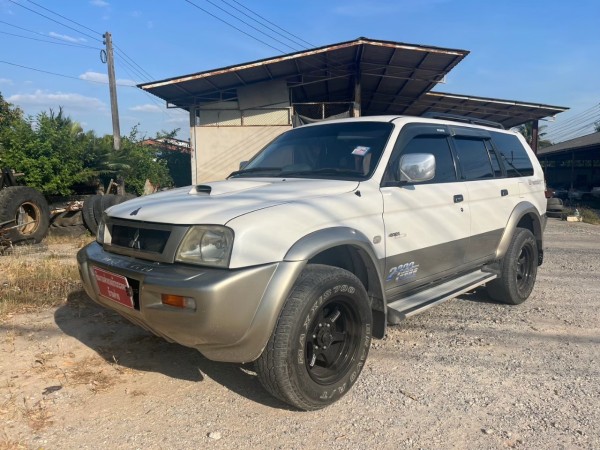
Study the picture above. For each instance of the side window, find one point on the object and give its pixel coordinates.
(513, 155)
(494, 159)
(438, 147)
(473, 158)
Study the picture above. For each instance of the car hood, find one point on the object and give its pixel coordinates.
(219, 202)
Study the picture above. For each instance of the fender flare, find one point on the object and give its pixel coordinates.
(520, 211)
(314, 243)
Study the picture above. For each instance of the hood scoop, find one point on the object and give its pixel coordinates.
(202, 189)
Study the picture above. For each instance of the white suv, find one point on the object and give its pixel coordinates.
(328, 234)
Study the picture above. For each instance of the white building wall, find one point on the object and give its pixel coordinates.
(219, 150)
(223, 134)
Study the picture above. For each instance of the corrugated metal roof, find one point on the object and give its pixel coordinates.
(396, 78)
(390, 70)
(509, 113)
(579, 143)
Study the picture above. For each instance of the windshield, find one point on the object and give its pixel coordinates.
(349, 150)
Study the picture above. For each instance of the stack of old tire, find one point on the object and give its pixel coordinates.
(76, 223)
(94, 206)
(24, 215)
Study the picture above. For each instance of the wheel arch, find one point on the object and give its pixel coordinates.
(524, 215)
(351, 250)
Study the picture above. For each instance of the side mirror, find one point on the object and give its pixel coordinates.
(417, 167)
(243, 164)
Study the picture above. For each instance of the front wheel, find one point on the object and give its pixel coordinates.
(321, 340)
(519, 270)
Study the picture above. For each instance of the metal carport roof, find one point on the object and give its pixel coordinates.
(394, 78)
(392, 70)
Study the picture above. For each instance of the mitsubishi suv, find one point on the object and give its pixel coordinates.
(330, 233)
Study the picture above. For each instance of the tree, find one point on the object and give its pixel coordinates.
(134, 162)
(527, 131)
(177, 158)
(597, 126)
(48, 150)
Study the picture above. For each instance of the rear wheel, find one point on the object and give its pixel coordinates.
(321, 340)
(27, 214)
(519, 270)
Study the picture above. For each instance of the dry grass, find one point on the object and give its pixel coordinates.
(29, 282)
(589, 216)
(8, 444)
(37, 416)
(91, 372)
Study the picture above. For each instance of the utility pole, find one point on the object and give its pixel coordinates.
(112, 85)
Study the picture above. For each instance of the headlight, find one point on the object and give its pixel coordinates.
(206, 246)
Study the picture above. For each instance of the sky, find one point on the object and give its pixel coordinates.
(533, 51)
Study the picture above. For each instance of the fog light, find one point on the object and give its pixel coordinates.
(178, 301)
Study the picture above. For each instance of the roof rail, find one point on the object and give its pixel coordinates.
(464, 119)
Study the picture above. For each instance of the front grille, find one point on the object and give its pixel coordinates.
(142, 239)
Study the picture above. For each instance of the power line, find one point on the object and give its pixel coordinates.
(66, 18)
(251, 26)
(44, 35)
(232, 26)
(275, 25)
(49, 42)
(124, 55)
(57, 74)
(573, 121)
(138, 74)
(54, 20)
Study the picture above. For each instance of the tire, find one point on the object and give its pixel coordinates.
(67, 219)
(26, 206)
(327, 307)
(89, 217)
(71, 231)
(107, 201)
(519, 270)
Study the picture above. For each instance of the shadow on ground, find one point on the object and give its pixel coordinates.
(118, 341)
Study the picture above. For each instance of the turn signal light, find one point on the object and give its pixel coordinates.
(178, 301)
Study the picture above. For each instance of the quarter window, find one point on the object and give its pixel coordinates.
(513, 155)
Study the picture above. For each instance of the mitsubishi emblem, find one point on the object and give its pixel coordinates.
(135, 243)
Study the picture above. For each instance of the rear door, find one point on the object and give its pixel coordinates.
(492, 195)
(426, 224)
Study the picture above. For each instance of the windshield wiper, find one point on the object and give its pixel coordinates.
(324, 171)
(255, 170)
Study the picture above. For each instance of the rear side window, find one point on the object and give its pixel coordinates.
(473, 158)
(513, 155)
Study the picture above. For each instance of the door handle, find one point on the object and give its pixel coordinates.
(458, 198)
(504, 192)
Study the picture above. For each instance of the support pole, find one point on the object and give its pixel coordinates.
(356, 108)
(112, 85)
(535, 129)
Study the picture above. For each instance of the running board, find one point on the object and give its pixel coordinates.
(422, 300)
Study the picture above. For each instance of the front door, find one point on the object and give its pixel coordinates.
(427, 225)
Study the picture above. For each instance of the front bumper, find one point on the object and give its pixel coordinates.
(236, 310)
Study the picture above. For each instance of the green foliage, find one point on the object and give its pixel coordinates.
(527, 131)
(54, 154)
(48, 150)
(178, 162)
(140, 163)
(597, 126)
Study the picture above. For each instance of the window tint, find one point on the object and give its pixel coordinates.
(438, 147)
(494, 159)
(513, 155)
(473, 158)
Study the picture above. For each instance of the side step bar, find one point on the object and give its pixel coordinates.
(422, 300)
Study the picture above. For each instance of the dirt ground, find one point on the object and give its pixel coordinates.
(466, 374)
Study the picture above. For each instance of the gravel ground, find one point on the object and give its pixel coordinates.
(466, 374)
